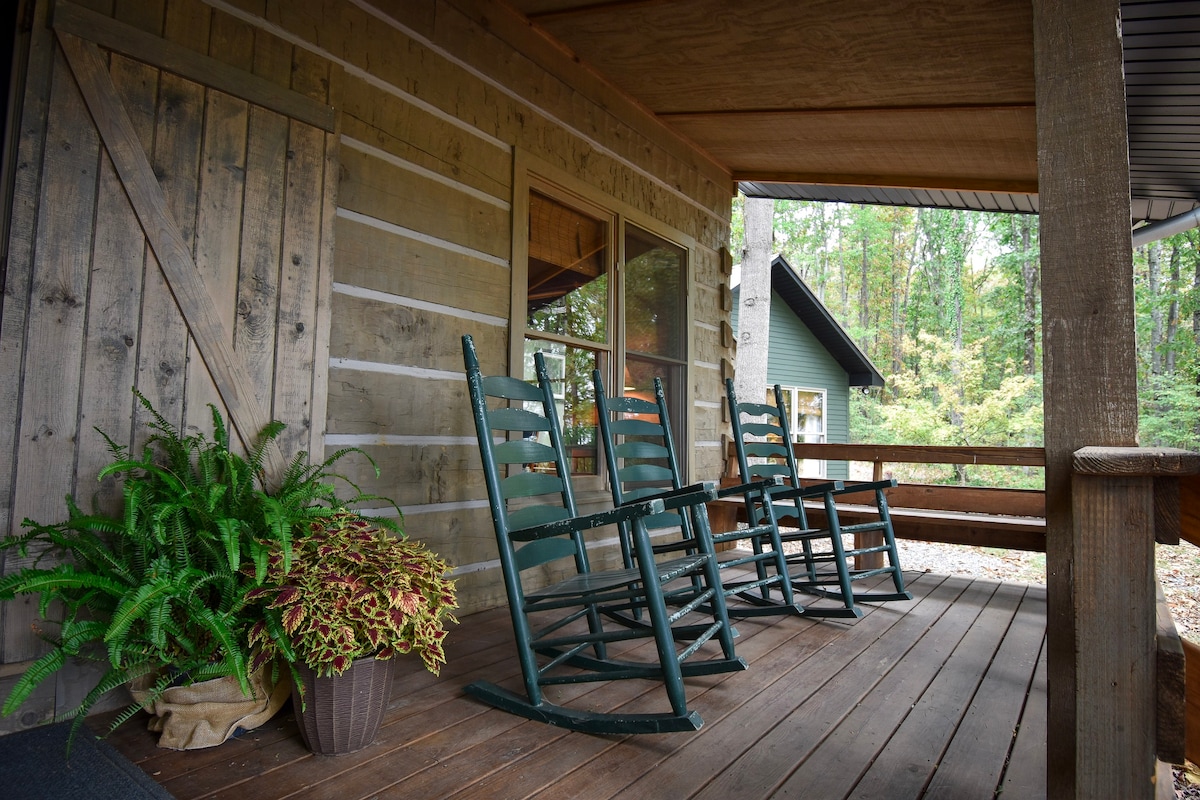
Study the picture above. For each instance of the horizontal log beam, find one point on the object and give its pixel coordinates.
(918, 454)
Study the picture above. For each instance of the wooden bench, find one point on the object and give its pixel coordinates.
(1171, 677)
(1012, 519)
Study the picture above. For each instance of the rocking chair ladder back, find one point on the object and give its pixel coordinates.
(642, 463)
(559, 628)
(764, 449)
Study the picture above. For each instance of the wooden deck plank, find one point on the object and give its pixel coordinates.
(841, 757)
(484, 753)
(825, 706)
(929, 727)
(1025, 775)
(973, 764)
(420, 702)
(822, 694)
(728, 709)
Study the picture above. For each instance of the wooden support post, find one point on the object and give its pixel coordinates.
(1090, 390)
(1116, 677)
(722, 518)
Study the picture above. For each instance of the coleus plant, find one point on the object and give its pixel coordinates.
(353, 589)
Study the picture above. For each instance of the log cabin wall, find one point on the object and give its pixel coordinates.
(171, 231)
(335, 304)
(435, 101)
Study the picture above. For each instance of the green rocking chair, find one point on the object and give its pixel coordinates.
(642, 463)
(560, 629)
(764, 450)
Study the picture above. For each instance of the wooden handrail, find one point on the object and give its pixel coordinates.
(924, 454)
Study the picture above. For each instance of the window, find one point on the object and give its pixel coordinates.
(602, 292)
(806, 420)
(655, 333)
(569, 311)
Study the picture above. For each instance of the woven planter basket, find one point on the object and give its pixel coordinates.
(342, 712)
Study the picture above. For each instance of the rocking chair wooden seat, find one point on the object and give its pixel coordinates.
(764, 450)
(643, 464)
(560, 628)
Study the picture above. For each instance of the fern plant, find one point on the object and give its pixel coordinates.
(162, 588)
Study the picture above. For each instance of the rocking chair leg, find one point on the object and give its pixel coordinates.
(613, 723)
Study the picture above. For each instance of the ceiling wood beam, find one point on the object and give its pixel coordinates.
(803, 111)
(945, 183)
(589, 8)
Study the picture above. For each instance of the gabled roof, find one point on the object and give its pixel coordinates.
(813, 313)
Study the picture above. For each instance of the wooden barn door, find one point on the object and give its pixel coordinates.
(171, 231)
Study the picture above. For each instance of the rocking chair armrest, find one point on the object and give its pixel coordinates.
(753, 487)
(559, 527)
(691, 495)
(815, 490)
(890, 483)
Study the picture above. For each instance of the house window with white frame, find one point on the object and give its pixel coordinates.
(806, 420)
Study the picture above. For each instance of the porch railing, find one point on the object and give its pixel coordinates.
(1107, 483)
(973, 515)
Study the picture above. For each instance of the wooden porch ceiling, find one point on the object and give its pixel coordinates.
(943, 696)
(932, 100)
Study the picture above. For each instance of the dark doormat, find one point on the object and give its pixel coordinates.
(34, 766)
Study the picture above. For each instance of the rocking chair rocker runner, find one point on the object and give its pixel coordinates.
(769, 444)
(643, 464)
(560, 629)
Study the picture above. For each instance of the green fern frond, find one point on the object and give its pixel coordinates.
(37, 672)
(61, 579)
(112, 680)
(269, 434)
(134, 609)
(234, 655)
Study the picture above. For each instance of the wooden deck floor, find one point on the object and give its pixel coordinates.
(939, 697)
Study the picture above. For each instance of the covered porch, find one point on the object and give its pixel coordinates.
(941, 696)
(411, 134)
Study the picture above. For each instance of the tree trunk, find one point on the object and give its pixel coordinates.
(1156, 321)
(839, 220)
(864, 287)
(754, 305)
(1172, 313)
(1030, 314)
(1195, 286)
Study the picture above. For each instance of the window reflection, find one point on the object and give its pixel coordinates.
(570, 371)
(568, 271)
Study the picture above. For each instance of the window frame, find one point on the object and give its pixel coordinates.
(793, 420)
(533, 174)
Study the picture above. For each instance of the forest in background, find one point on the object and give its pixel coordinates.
(947, 304)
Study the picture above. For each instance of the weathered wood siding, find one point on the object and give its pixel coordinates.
(435, 98)
(171, 231)
(342, 266)
(797, 358)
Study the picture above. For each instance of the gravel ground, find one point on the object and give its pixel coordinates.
(1178, 571)
(1187, 783)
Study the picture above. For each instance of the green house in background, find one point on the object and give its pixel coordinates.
(811, 356)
